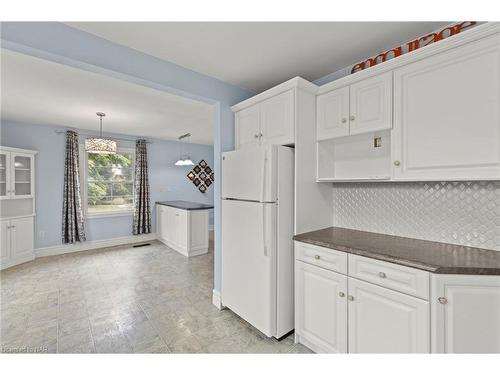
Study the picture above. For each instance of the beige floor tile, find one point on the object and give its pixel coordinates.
(123, 300)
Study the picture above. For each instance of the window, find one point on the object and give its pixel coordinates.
(109, 182)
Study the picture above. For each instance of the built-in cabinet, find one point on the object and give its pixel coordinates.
(16, 174)
(268, 122)
(17, 205)
(345, 303)
(185, 231)
(447, 115)
(465, 314)
(365, 106)
(432, 114)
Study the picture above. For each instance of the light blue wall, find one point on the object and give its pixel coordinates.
(63, 44)
(163, 175)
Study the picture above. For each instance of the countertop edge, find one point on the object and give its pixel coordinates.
(185, 208)
(412, 264)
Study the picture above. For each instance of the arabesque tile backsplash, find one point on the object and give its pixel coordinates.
(464, 213)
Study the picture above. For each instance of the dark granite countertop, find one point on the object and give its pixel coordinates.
(185, 205)
(430, 256)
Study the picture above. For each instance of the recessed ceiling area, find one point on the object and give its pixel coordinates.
(259, 55)
(38, 91)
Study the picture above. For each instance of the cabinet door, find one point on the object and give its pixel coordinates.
(385, 321)
(5, 184)
(277, 119)
(21, 233)
(247, 126)
(332, 111)
(22, 175)
(447, 115)
(166, 222)
(321, 308)
(181, 227)
(371, 104)
(465, 314)
(4, 240)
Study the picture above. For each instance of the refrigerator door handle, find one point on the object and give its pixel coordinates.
(264, 229)
(263, 178)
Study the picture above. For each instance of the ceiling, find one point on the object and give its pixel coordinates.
(41, 92)
(259, 55)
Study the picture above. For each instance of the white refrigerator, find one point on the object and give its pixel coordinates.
(257, 231)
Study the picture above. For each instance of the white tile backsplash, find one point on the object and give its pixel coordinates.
(465, 213)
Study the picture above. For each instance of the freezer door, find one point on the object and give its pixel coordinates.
(249, 173)
(249, 262)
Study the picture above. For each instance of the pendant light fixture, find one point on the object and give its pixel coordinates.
(100, 145)
(184, 160)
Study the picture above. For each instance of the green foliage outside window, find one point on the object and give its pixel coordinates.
(110, 181)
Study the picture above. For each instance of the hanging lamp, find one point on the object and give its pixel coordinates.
(184, 160)
(100, 145)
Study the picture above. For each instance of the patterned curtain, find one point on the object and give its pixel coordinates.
(72, 225)
(142, 211)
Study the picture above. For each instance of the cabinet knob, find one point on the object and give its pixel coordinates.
(350, 298)
(261, 135)
(382, 275)
(317, 257)
(256, 136)
(344, 120)
(352, 118)
(443, 300)
(341, 294)
(397, 163)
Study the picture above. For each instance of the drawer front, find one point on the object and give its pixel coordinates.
(330, 259)
(393, 276)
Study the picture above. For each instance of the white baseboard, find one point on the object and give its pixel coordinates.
(18, 260)
(217, 299)
(91, 245)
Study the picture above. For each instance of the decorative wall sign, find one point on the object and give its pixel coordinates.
(202, 176)
(412, 45)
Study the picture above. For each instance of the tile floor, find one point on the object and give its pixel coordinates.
(122, 300)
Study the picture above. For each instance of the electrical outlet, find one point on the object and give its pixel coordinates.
(41, 234)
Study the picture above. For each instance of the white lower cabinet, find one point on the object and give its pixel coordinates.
(379, 307)
(321, 308)
(384, 321)
(16, 241)
(185, 231)
(465, 314)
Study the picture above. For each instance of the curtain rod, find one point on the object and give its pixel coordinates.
(93, 135)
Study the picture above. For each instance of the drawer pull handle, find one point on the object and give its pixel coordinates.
(442, 300)
(350, 298)
(317, 257)
(341, 294)
(382, 275)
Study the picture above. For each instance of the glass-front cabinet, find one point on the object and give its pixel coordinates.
(16, 175)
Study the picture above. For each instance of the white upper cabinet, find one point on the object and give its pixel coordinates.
(268, 122)
(273, 116)
(363, 107)
(16, 175)
(385, 321)
(332, 111)
(247, 126)
(371, 104)
(277, 119)
(5, 185)
(447, 115)
(466, 314)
